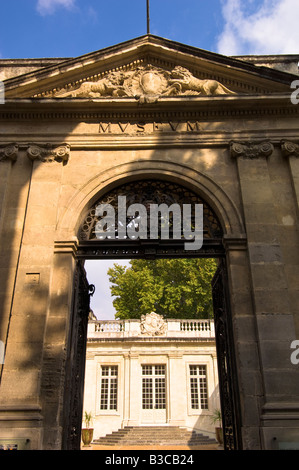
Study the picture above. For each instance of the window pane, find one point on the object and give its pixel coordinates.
(109, 381)
(160, 402)
(198, 387)
(104, 394)
(147, 394)
(194, 394)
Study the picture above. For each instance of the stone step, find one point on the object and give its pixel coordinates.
(151, 435)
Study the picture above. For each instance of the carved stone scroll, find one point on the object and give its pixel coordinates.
(289, 149)
(251, 150)
(9, 152)
(49, 153)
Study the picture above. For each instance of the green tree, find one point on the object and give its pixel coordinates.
(174, 288)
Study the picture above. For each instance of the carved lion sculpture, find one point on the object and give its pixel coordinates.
(182, 77)
(103, 87)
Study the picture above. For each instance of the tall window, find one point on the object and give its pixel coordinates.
(108, 395)
(198, 387)
(153, 387)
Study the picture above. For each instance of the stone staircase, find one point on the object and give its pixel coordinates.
(154, 435)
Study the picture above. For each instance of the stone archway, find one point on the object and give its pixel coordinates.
(153, 190)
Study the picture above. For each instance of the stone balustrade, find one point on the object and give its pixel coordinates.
(172, 328)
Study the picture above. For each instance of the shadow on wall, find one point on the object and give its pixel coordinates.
(43, 194)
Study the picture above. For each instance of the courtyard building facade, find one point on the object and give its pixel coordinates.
(151, 372)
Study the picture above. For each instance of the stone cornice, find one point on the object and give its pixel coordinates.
(222, 106)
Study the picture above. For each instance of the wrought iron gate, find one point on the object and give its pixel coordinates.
(228, 383)
(92, 248)
(75, 370)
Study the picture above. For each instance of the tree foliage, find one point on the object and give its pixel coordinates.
(173, 288)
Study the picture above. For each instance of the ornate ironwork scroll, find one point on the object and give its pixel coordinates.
(147, 192)
(228, 383)
(74, 388)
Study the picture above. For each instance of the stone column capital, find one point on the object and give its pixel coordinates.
(9, 152)
(49, 153)
(251, 150)
(289, 148)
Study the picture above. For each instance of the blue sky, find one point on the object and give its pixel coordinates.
(69, 28)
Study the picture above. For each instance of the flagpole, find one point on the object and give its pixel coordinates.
(148, 16)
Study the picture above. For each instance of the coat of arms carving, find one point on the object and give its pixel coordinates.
(153, 324)
(146, 83)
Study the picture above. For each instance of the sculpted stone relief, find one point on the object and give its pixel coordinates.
(147, 84)
(152, 324)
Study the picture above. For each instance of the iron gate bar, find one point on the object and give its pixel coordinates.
(148, 249)
(227, 370)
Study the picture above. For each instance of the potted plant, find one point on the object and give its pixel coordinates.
(216, 418)
(87, 432)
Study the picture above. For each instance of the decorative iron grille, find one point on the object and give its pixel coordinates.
(147, 193)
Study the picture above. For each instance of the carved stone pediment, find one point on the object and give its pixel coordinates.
(146, 83)
(153, 324)
(147, 68)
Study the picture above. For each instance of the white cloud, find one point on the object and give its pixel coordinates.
(263, 27)
(47, 7)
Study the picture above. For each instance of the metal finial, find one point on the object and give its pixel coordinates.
(148, 15)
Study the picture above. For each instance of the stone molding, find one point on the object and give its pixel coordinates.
(251, 150)
(289, 149)
(45, 152)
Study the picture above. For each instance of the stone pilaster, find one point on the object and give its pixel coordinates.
(274, 319)
(290, 151)
(32, 212)
(177, 400)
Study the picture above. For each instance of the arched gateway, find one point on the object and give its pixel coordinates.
(156, 122)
